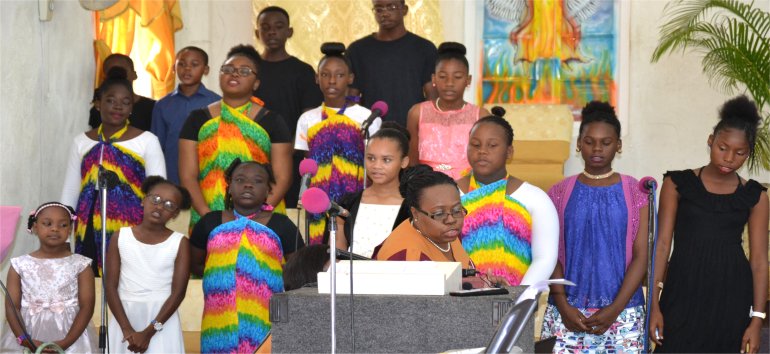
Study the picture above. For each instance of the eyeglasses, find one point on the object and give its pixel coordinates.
(242, 71)
(157, 200)
(388, 7)
(457, 213)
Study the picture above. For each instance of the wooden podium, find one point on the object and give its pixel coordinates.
(389, 323)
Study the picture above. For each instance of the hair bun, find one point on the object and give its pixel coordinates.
(117, 73)
(598, 107)
(451, 47)
(498, 111)
(333, 48)
(740, 108)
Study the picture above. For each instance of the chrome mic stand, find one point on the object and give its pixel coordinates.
(333, 275)
(652, 240)
(107, 180)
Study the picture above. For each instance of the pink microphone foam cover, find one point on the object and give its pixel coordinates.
(315, 200)
(9, 217)
(308, 166)
(382, 106)
(643, 183)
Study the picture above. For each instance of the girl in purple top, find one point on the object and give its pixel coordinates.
(602, 247)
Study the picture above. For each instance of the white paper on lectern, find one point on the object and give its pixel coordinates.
(395, 278)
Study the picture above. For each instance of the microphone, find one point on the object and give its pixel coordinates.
(107, 179)
(308, 169)
(379, 110)
(647, 184)
(317, 201)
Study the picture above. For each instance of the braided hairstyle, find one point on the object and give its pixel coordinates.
(596, 111)
(229, 177)
(32, 219)
(416, 178)
(152, 181)
(740, 113)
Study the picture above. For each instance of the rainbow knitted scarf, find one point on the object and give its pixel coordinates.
(124, 201)
(220, 141)
(337, 146)
(243, 270)
(497, 232)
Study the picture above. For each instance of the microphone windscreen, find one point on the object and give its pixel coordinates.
(308, 166)
(315, 200)
(382, 106)
(646, 184)
(9, 217)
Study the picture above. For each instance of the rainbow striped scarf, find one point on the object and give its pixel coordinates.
(220, 141)
(124, 202)
(243, 270)
(337, 146)
(497, 232)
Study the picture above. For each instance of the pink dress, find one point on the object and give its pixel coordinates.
(443, 138)
(49, 301)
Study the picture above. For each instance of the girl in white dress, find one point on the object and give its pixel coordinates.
(52, 288)
(147, 273)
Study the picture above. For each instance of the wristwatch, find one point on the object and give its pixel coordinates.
(753, 313)
(158, 326)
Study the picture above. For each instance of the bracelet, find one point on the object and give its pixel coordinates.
(753, 313)
(20, 339)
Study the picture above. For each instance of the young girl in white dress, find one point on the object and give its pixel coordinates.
(148, 267)
(52, 288)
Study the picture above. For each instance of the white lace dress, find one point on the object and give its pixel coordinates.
(49, 301)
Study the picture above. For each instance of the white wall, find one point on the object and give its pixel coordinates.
(46, 75)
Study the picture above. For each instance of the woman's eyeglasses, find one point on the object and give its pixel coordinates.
(457, 213)
(242, 71)
(157, 200)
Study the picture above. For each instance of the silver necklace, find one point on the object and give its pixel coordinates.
(438, 99)
(448, 245)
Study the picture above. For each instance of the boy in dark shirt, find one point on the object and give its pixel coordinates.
(287, 84)
(393, 64)
(141, 114)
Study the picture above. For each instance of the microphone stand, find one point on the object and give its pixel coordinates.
(652, 238)
(333, 276)
(104, 186)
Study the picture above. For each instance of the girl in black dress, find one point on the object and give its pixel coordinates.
(713, 298)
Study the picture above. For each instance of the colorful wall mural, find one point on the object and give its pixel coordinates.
(550, 51)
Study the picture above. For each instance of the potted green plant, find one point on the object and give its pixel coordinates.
(734, 39)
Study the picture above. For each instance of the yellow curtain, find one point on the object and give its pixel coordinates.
(316, 22)
(114, 33)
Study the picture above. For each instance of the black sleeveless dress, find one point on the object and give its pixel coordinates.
(709, 288)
